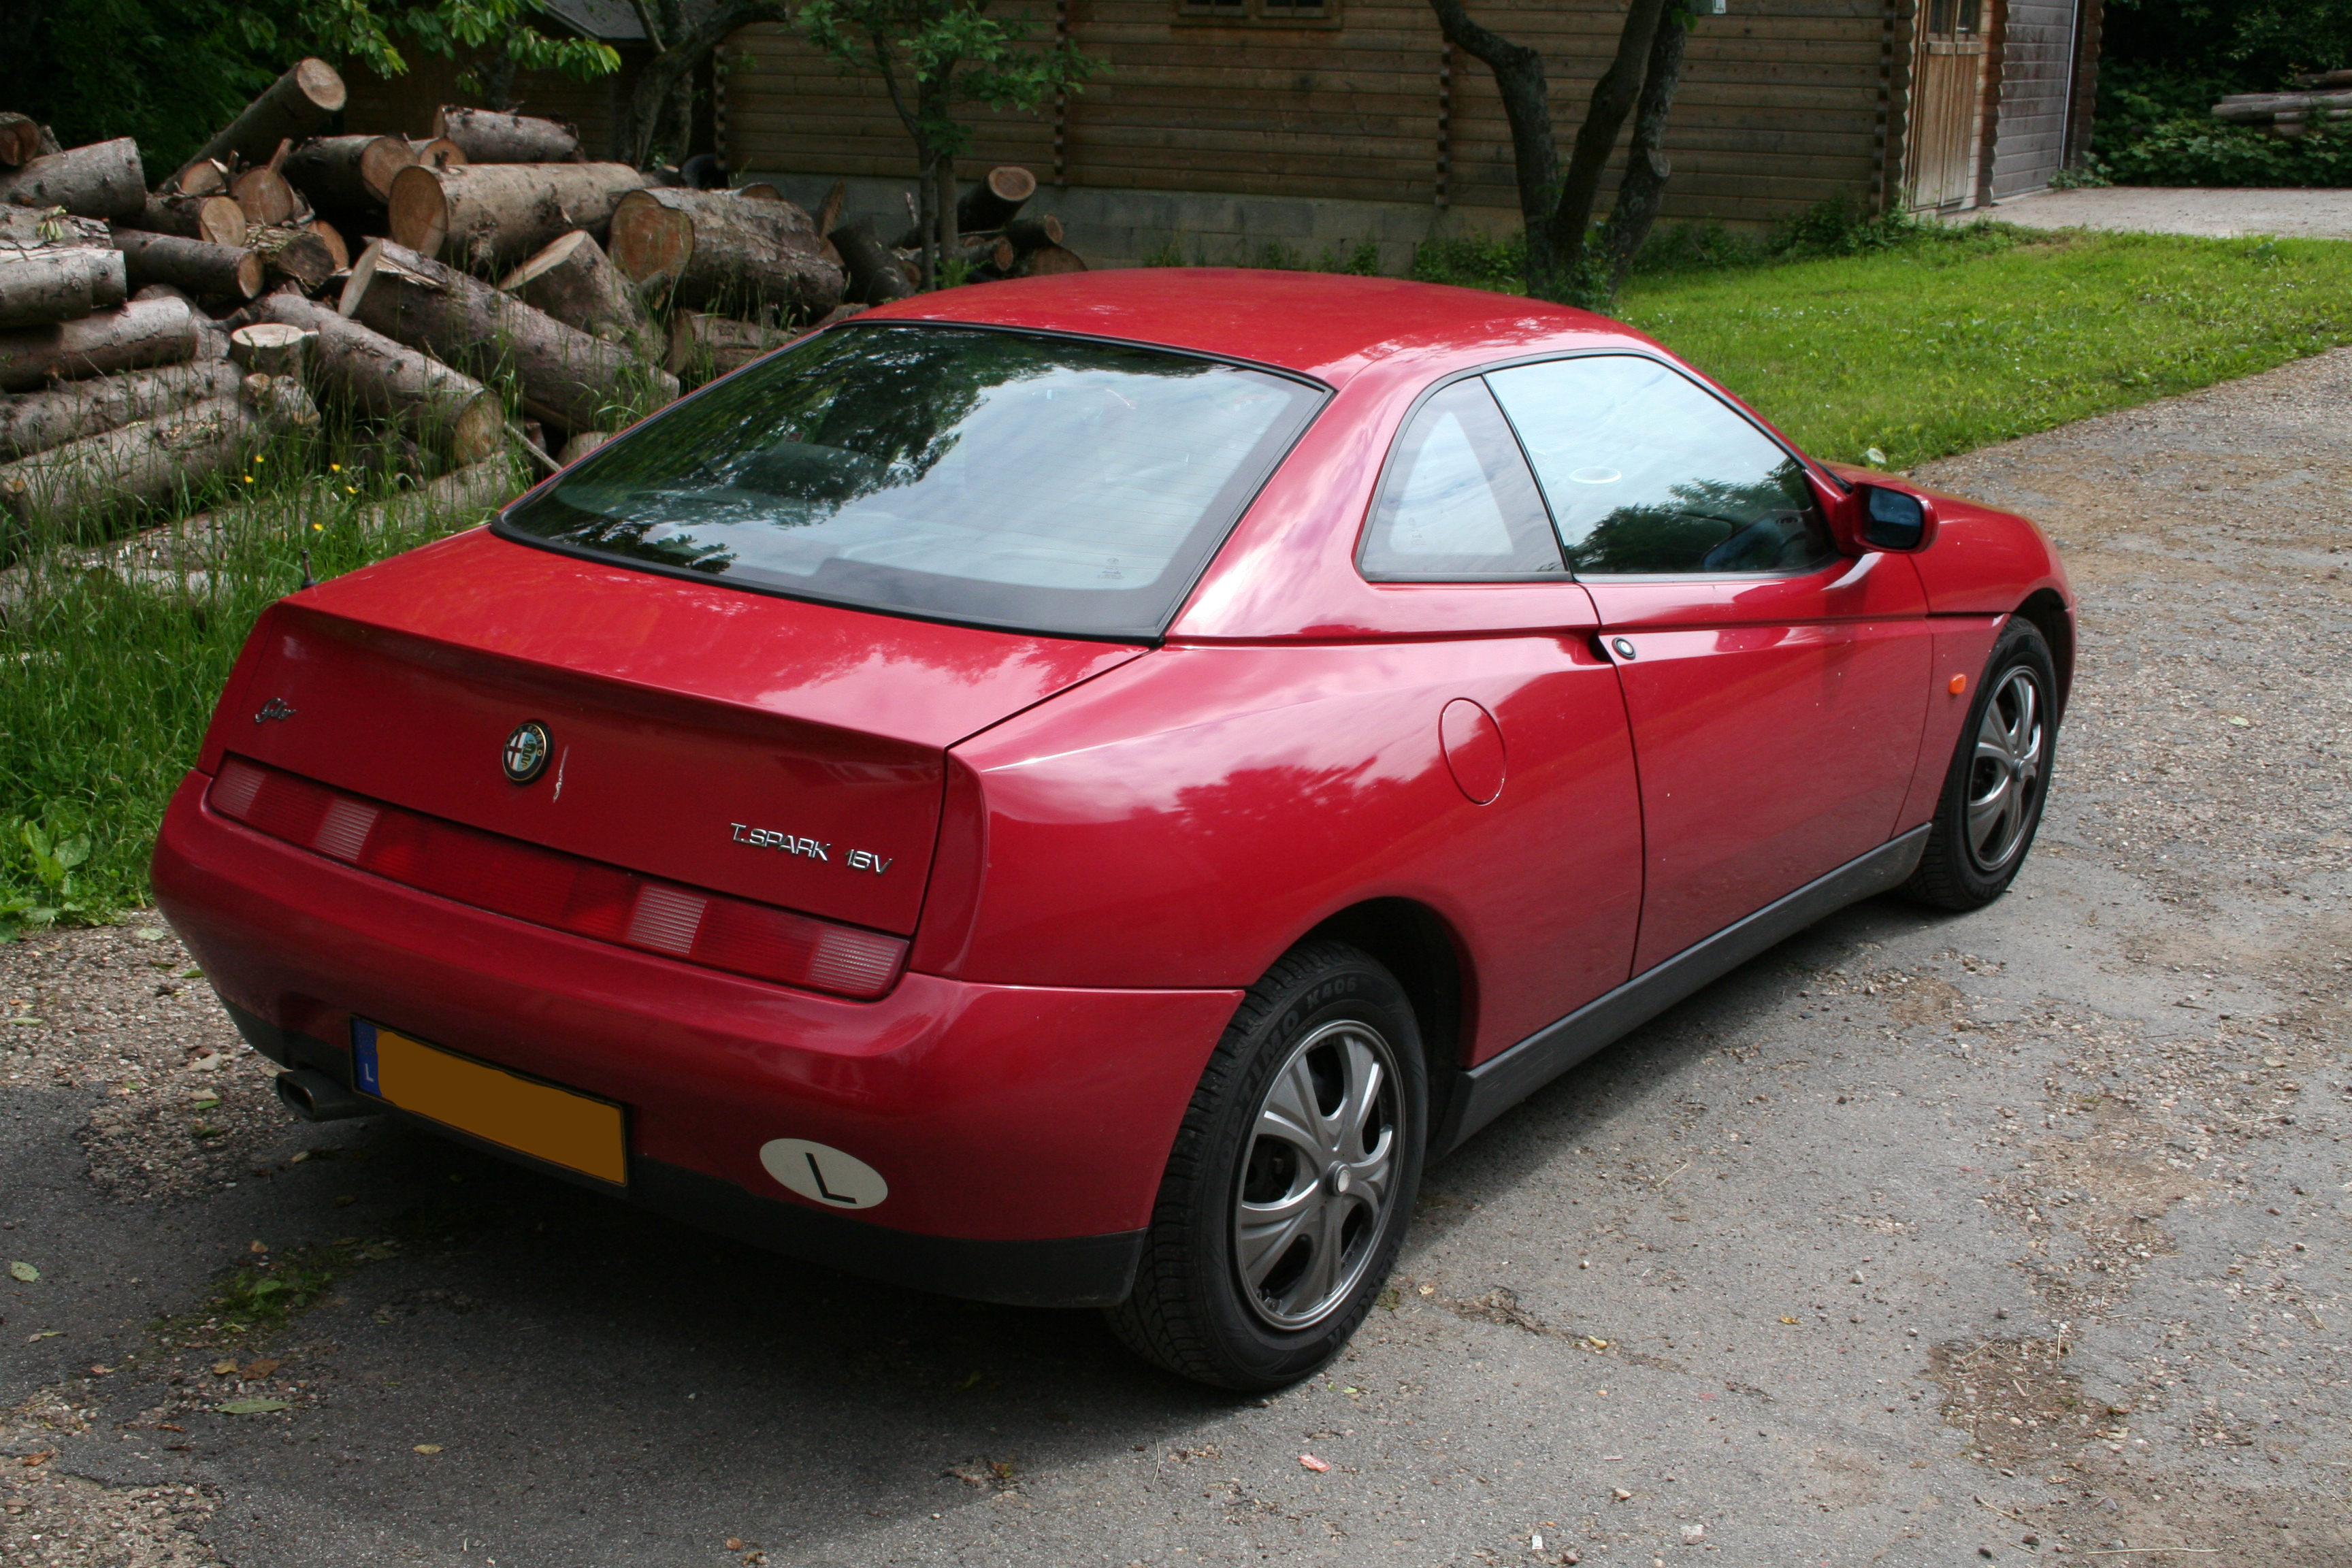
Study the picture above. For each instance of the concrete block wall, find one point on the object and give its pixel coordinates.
(1113, 228)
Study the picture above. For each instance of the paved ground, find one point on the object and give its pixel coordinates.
(2155, 209)
(2021, 1235)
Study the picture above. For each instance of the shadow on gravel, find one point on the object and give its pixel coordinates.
(555, 1348)
(1588, 1103)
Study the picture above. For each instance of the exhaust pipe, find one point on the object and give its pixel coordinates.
(314, 1097)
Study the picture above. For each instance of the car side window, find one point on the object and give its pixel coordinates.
(1648, 473)
(1457, 499)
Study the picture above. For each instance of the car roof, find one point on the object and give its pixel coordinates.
(1327, 325)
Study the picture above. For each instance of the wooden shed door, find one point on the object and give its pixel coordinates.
(1948, 102)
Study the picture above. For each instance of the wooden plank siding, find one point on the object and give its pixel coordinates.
(1781, 106)
(2036, 94)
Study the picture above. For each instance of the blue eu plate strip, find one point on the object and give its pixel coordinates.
(364, 1058)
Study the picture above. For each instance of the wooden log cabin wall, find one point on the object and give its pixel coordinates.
(1225, 127)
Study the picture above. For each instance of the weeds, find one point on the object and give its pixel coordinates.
(1362, 260)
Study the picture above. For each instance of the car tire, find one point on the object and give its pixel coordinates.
(1991, 805)
(1268, 1242)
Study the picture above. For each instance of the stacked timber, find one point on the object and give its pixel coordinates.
(497, 215)
(566, 377)
(707, 248)
(2291, 114)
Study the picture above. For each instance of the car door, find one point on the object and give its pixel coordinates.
(1551, 861)
(1776, 687)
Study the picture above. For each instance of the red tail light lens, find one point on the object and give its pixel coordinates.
(566, 892)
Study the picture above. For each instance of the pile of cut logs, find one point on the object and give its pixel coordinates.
(149, 339)
(2327, 96)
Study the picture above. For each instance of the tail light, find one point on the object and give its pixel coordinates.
(565, 893)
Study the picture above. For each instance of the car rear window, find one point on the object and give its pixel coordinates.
(1052, 484)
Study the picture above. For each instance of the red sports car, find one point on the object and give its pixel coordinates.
(1072, 792)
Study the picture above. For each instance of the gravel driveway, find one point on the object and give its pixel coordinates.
(1921, 1240)
(2161, 209)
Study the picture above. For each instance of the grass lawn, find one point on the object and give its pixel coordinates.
(1944, 345)
(1934, 346)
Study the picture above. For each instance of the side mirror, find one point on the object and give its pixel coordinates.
(1895, 519)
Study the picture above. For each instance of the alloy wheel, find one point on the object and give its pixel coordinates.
(2005, 776)
(1319, 1178)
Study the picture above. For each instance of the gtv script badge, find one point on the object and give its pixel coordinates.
(812, 849)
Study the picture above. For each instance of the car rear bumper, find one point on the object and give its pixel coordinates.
(1023, 1130)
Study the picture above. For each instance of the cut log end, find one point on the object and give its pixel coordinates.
(272, 349)
(418, 212)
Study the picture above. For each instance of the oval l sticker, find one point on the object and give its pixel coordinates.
(823, 1176)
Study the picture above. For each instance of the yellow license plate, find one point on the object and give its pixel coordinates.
(515, 1112)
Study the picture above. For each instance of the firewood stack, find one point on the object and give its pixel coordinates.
(2327, 96)
(150, 337)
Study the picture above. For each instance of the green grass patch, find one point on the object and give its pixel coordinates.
(114, 660)
(1935, 347)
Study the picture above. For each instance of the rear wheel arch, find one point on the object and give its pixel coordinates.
(2048, 613)
(1415, 944)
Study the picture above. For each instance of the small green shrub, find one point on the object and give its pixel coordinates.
(1473, 260)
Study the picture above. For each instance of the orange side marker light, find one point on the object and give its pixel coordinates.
(1959, 684)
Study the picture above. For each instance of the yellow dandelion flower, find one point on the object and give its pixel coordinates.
(350, 489)
(334, 467)
(256, 459)
(317, 528)
(249, 478)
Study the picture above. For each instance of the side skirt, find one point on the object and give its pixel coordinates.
(1484, 1092)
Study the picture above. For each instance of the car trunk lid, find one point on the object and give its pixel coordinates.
(780, 750)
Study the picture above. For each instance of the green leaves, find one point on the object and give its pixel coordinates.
(950, 52)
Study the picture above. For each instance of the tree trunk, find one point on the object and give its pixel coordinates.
(445, 408)
(102, 180)
(339, 250)
(1022, 239)
(347, 174)
(272, 348)
(20, 140)
(35, 421)
(496, 214)
(580, 445)
(487, 136)
(1519, 78)
(673, 66)
(205, 177)
(565, 376)
(943, 207)
(24, 232)
(217, 271)
(264, 193)
(1643, 188)
(1050, 261)
(575, 282)
(67, 284)
(1613, 95)
(295, 253)
(704, 348)
(435, 153)
(992, 203)
(296, 105)
(468, 493)
(877, 275)
(145, 332)
(708, 248)
(215, 220)
(156, 459)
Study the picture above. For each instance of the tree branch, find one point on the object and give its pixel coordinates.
(674, 61)
(1526, 106)
(1612, 100)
